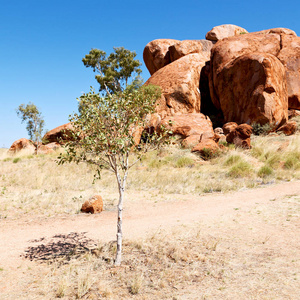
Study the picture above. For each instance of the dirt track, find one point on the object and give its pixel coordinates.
(141, 219)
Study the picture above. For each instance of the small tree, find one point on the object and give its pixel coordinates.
(35, 121)
(105, 135)
(116, 70)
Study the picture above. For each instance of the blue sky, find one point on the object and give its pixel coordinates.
(43, 42)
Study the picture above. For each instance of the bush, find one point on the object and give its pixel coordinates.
(259, 129)
(17, 159)
(241, 169)
(292, 161)
(265, 171)
(232, 159)
(207, 153)
(184, 162)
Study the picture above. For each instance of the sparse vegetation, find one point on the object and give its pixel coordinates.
(158, 267)
(263, 130)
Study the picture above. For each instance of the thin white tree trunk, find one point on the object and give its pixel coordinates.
(119, 228)
(121, 186)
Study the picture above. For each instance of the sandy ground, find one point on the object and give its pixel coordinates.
(142, 218)
(139, 219)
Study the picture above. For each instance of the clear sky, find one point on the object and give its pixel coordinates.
(43, 42)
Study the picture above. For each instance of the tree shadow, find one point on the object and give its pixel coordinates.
(60, 248)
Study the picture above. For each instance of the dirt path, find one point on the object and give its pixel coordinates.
(140, 218)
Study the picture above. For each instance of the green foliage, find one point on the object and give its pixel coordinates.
(292, 160)
(114, 70)
(34, 119)
(208, 153)
(183, 162)
(259, 129)
(106, 128)
(232, 159)
(265, 171)
(17, 159)
(241, 169)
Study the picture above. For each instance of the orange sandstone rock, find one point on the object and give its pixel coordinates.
(93, 205)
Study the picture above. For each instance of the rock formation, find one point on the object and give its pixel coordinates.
(233, 76)
(22, 144)
(94, 205)
(179, 82)
(59, 134)
(224, 31)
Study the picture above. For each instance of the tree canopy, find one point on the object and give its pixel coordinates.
(35, 123)
(115, 70)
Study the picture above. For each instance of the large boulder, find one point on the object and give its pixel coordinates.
(156, 54)
(289, 56)
(189, 124)
(189, 127)
(224, 31)
(60, 134)
(179, 82)
(186, 47)
(49, 148)
(280, 42)
(252, 89)
(22, 144)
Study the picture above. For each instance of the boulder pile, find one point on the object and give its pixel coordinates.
(232, 79)
(232, 76)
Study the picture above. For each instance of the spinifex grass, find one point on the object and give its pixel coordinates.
(35, 183)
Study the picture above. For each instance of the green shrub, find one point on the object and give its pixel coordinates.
(265, 171)
(241, 169)
(157, 163)
(184, 161)
(292, 160)
(207, 153)
(232, 159)
(259, 129)
(17, 159)
(7, 159)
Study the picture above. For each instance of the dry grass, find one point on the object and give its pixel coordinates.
(204, 261)
(227, 259)
(31, 184)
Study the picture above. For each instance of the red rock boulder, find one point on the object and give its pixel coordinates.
(186, 47)
(224, 31)
(206, 148)
(93, 205)
(59, 134)
(49, 148)
(228, 127)
(252, 89)
(289, 128)
(280, 42)
(179, 82)
(240, 136)
(22, 144)
(186, 125)
(156, 54)
(289, 56)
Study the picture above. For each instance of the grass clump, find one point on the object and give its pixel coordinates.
(16, 160)
(184, 161)
(240, 169)
(265, 171)
(292, 160)
(232, 159)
